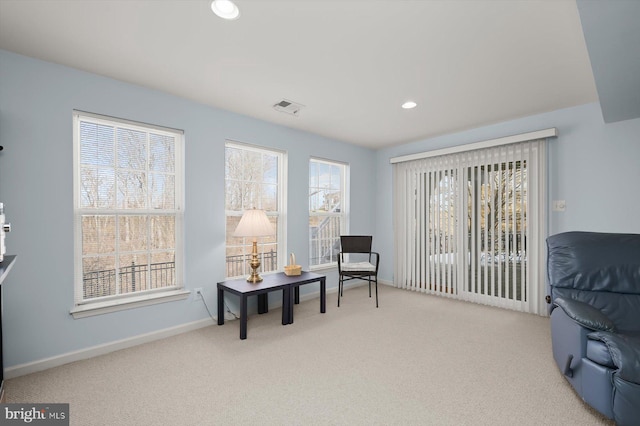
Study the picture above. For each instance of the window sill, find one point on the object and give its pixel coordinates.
(323, 267)
(99, 308)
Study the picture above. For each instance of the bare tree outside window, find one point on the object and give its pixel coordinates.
(496, 203)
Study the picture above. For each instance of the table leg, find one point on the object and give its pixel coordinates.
(286, 306)
(263, 303)
(297, 295)
(291, 303)
(220, 306)
(323, 295)
(243, 316)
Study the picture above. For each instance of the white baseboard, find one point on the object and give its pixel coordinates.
(44, 364)
(385, 282)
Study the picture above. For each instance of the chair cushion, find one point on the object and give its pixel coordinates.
(358, 267)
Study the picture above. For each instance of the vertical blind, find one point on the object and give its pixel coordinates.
(471, 225)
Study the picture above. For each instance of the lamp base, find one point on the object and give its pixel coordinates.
(254, 278)
(255, 264)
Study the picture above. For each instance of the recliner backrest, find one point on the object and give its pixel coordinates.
(601, 269)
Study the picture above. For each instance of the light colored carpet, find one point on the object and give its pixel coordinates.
(417, 360)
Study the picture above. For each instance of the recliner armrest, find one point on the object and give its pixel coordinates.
(625, 353)
(584, 314)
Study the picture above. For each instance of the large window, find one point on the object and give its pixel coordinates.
(254, 178)
(328, 211)
(127, 208)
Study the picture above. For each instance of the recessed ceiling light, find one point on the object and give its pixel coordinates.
(225, 9)
(409, 105)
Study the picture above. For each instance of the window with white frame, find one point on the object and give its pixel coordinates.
(328, 210)
(128, 180)
(254, 178)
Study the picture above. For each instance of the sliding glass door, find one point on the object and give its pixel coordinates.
(466, 225)
(496, 227)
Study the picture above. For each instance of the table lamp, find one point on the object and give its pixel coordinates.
(254, 223)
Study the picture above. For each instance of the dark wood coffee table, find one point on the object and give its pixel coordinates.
(290, 286)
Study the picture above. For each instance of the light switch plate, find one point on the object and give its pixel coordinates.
(559, 205)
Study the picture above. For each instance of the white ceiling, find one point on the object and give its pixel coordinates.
(352, 63)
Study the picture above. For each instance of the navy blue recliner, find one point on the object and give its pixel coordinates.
(595, 318)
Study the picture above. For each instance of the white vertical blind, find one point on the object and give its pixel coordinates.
(470, 225)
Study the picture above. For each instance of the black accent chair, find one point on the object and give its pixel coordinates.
(356, 261)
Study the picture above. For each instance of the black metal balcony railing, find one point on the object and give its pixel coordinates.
(158, 275)
(324, 241)
(132, 278)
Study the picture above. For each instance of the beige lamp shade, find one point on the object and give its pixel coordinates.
(254, 223)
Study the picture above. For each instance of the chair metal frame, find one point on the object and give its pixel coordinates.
(357, 244)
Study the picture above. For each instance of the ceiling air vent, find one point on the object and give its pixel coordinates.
(289, 107)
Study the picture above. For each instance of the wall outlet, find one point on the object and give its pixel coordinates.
(197, 292)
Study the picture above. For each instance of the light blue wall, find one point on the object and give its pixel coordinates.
(612, 35)
(36, 103)
(594, 166)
